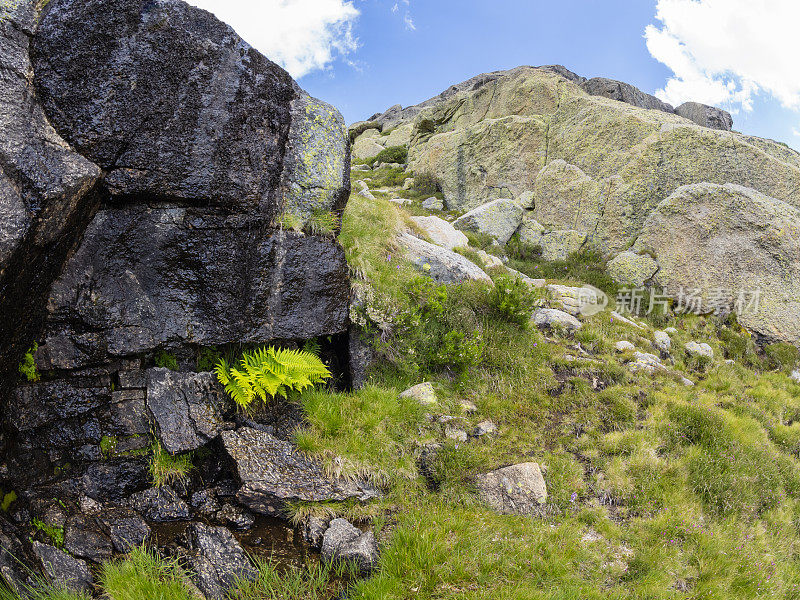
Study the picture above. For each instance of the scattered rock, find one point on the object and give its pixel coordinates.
(127, 529)
(578, 300)
(795, 376)
(422, 393)
(518, 489)
(273, 472)
(498, 219)
(618, 317)
(695, 349)
(441, 232)
(366, 148)
(558, 245)
(186, 408)
(433, 203)
(217, 559)
(205, 502)
(687, 382)
(489, 260)
(468, 407)
(624, 346)
(706, 116)
(408, 183)
(631, 269)
(84, 537)
(671, 330)
(534, 283)
(343, 542)
(160, 504)
(662, 341)
(485, 428)
(63, 570)
(363, 189)
(531, 232)
(649, 363)
(314, 529)
(362, 168)
(550, 317)
(455, 433)
(441, 264)
(236, 517)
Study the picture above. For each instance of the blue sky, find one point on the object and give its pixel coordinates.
(366, 55)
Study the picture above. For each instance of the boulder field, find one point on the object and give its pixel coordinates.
(148, 160)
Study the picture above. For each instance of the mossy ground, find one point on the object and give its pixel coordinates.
(655, 490)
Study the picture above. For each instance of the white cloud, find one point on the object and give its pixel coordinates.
(723, 52)
(300, 35)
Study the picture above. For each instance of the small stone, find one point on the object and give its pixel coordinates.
(343, 542)
(236, 517)
(518, 489)
(485, 428)
(160, 504)
(624, 346)
(546, 318)
(795, 376)
(218, 560)
(127, 529)
(455, 433)
(422, 393)
(687, 382)
(62, 569)
(314, 530)
(642, 361)
(671, 330)
(662, 341)
(695, 349)
(408, 183)
(433, 203)
(205, 502)
(468, 407)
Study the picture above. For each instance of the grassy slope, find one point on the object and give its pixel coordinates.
(655, 490)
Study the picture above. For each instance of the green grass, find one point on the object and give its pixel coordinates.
(168, 469)
(53, 532)
(27, 367)
(144, 575)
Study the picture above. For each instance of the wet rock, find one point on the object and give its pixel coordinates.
(518, 489)
(441, 264)
(63, 570)
(116, 478)
(205, 502)
(127, 529)
(186, 407)
(236, 517)
(345, 543)
(273, 472)
(314, 529)
(84, 537)
(548, 318)
(217, 559)
(422, 393)
(159, 504)
(38, 404)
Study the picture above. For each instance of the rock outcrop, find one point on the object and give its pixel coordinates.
(149, 158)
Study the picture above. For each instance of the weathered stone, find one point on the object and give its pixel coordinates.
(422, 393)
(126, 528)
(547, 318)
(697, 349)
(345, 543)
(578, 300)
(116, 478)
(631, 269)
(205, 502)
(455, 433)
(399, 136)
(273, 472)
(734, 239)
(236, 517)
(498, 219)
(184, 283)
(662, 341)
(624, 346)
(518, 489)
(531, 231)
(84, 537)
(441, 264)
(433, 203)
(366, 148)
(707, 116)
(359, 127)
(489, 261)
(649, 363)
(218, 560)
(526, 200)
(441, 232)
(558, 245)
(38, 404)
(63, 570)
(314, 530)
(624, 92)
(159, 504)
(566, 198)
(485, 428)
(795, 376)
(186, 408)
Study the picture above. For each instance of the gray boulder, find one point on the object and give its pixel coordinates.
(698, 349)
(186, 408)
(345, 543)
(160, 504)
(559, 244)
(441, 232)
(518, 489)
(63, 570)
(624, 92)
(218, 561)
(549, 318)
(441, 264)
(126, 528)
(648, 363)
(631, 269)
(273, 472)
(498, 219)
(433, 203)
(662, 341)
(707, 116)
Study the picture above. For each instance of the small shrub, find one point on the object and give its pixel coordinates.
(165, 360)
(457, 351)
(425, 183)
(782, 356)
(168, 469)
(56, 534)
(267, 372)
(512, 299)
(28, 366)
(392, 154)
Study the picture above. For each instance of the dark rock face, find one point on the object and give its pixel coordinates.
(186, 408)
(273, 472)
(84, 537)
(126, 528)
(148, 278)
(707, 116)
(160, 504)
(217, 559)
(62, 569)
(624, 92)
(167, 99)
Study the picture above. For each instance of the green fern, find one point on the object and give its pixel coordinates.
(269, 372)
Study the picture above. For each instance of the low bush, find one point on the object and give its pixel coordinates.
(392, 154)
(513, 299)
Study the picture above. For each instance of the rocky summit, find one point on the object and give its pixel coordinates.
(546, 346)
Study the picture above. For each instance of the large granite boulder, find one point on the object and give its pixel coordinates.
(441, 264)
(624, 92)
(498, 219)
(707, 116)
(738, 247)
(272, 472)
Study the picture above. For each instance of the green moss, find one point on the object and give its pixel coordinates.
(56, 534)
(108, 446)
(166, 360)
(8, 499)
(28, 366)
